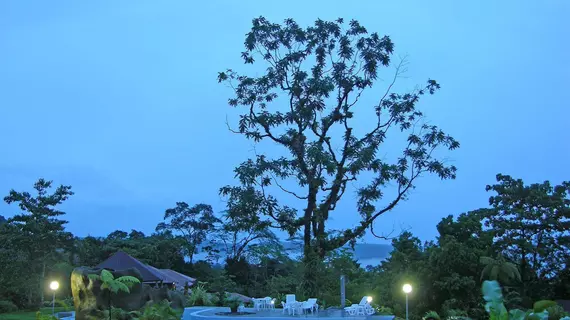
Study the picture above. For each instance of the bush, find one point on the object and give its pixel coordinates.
(556, 312)
(7, 306)
(159, 311)
(542, 305)
(385, 311)
(199, 297)
(455, 313)
(233, 303)
(120, 314)
(431, 315)
(40, 316)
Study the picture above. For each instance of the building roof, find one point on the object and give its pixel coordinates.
(121, 260)
(180, 279)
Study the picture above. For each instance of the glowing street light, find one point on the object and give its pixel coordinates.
(369, 299)
(407, 289)
(54, 285)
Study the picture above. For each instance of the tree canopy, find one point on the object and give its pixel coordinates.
(306, 102)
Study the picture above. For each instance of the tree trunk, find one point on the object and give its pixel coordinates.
(42, 280)
(110, 306)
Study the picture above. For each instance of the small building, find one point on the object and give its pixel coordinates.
(151, 275)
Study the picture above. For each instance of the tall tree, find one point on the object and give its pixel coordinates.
(306, 103)
(38, 231)
(243, 223)
(193, 223)
(531, 224)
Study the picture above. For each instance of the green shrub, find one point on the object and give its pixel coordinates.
(7, 306)
(159, 311)
(40, 316)
(232, 302)
(492, 293)
(385, 311)
(542, 305)
(455, 313)
(556, 312)
(431, 315)
(199, 297)
(120, 314)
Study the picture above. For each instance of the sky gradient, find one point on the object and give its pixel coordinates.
(119, 99)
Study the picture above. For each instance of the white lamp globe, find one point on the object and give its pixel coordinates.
(369, 299)
(407, 288)
(54, 285)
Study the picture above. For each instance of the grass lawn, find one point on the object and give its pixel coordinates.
(27, 315)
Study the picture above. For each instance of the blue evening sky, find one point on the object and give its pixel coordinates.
(119, 99)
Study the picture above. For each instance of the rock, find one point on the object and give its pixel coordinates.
(91, 302)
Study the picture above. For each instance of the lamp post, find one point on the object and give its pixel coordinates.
(407, 289)
(54, 285)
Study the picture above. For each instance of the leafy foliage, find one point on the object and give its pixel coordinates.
(192, 222)
(305, 103)
(159, 311)
(30, 239)
(7, 306)
(500, 270)
(112, 285)
(199, 297)
(531, 225)
(431, 315)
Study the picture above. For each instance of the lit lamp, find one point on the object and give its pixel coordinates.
(369, 299)
(54, 285)
(407, 289)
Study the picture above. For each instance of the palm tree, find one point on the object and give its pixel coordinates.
(112, 285)
(499, 269)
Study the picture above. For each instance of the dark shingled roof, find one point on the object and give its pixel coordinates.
(121, 260)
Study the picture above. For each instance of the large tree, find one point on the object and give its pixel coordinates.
(192, 222)
(531, 224)
(37, 232)
(305, 102)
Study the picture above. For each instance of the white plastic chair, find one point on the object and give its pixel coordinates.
(364, 308)
(291, 302)
(269, 303)
(352, 310)
(286, 307)
(310, 305)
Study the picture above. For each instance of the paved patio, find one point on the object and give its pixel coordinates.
(209, 313)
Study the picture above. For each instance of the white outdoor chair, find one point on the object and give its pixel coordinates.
(291, 302)
(352, 310)
(364, 308)
(286, 307)
(269, 303)
(310, 305)
(259, 303)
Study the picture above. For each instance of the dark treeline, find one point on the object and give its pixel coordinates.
(521, 240)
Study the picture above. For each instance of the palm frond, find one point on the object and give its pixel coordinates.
(94, 277)
(106, 276)
(128, 280)
(122, 287)
(486, 260)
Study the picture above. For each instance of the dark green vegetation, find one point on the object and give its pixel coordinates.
(306, 103)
